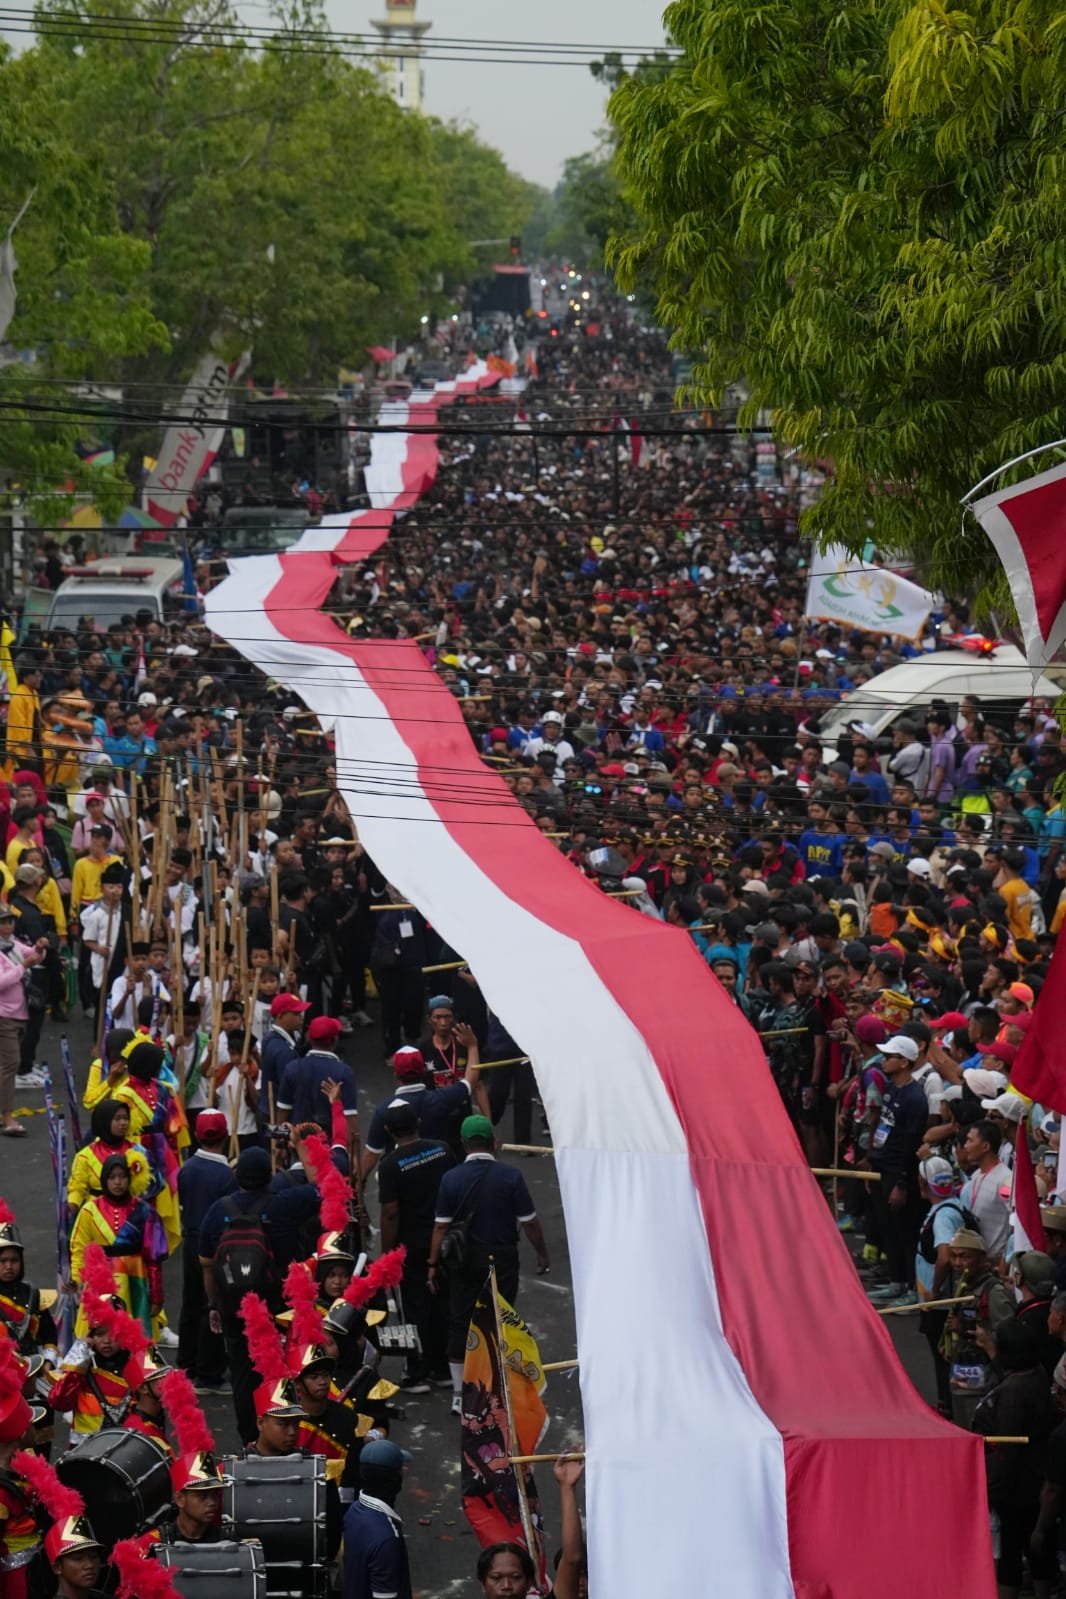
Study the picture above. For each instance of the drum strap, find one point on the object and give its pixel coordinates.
(114, 1415)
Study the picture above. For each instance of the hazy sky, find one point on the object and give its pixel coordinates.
(537, 115)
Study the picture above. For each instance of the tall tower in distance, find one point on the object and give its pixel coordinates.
(401, 52)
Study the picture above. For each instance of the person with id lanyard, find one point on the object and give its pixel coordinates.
(396, 960)
(896, 1200)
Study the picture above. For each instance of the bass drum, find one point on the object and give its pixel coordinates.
(215, 1570)
(281, 1500)
(124, 1478)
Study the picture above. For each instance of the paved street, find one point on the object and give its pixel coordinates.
(443, 1550)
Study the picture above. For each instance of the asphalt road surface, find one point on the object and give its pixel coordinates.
(443, 1550)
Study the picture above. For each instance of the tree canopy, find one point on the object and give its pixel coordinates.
(190, 185)
(854, 207)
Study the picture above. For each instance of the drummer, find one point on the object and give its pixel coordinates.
(278, 1414)
(92, 1381)
(25, 1311)
(334, 1266)
(75, 1557)
(331, 1426)
(198, 1483)
(144, 1373)
(19, 1534)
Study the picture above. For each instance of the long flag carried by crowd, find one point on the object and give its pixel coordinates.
(775, 1391)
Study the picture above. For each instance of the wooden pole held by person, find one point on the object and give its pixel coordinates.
(927, 1304)
(519, 1476)
(560, 1365)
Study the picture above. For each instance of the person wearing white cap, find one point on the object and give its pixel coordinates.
(896, 1200)
(1008, 1113)
(551, 738)
(987, 1192)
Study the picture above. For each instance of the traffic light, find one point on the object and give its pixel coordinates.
(516, 246)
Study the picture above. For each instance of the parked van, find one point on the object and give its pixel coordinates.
(1001, 681)
(110, 589)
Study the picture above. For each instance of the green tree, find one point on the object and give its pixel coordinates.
(272, 198)
(854, 207)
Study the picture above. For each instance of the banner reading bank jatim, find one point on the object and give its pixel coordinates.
(195, 439)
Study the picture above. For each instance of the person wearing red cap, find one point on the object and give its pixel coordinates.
(302, 1098)
(205, 1177)
(287, 1013)
(75, 1556)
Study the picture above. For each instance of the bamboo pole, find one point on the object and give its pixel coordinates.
(536, 1460)
(527, 1149)
(512, 1060)
(102, 1006)
(238, 1094)
(519, 1476)
(928, 1304)
(560, 1365)
(844, 1171)
(399, 907)
(1005, 1438)
(447, 966)
(135, 858)
(177, 989)
(275, 913)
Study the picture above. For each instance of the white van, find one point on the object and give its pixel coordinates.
(110, 589)
(1002, 682)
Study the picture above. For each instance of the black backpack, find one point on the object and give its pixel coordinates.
(455, 1243)
(926, 1247)
(244, 1260)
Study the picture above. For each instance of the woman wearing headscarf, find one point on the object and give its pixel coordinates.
(109, 1136)
(129, 1231)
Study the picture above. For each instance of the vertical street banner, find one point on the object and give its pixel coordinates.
(194, 440)
(500, 1505)
(843, 589)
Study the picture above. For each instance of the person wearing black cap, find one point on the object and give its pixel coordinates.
(375, 1550)
(247, 1241)
(408, 1182)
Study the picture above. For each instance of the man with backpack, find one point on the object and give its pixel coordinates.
(480, 1207)
(247, 1242)
(945, 1216)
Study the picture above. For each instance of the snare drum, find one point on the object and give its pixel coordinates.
(124, 1478)
(215, 1570)
(281, 1500)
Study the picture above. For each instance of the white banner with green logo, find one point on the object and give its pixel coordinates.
(843, 589)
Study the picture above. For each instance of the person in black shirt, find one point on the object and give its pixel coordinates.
(408, 1181)
(296, 931)
(495, 1201)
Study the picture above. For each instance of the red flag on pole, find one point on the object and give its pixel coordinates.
(1028, 1227)
(1039, 1069)
(1027, 525)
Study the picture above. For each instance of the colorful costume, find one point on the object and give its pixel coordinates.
(88, 1162)
(159, 1124)
(129, 1232)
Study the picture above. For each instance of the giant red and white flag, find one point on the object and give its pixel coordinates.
(774, 1437)
(1027, 525)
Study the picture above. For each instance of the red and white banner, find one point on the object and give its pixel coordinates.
(1027, 525)
(192, 443)
(772, 1437)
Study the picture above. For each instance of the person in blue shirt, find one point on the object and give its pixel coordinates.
(375, 1550)
(302, 1097)
(865, 770)
(205, 1177)
(821, 851)
(279, 1046)
(132, 749)
(494, 1202)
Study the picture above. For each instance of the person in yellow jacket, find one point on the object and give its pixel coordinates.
(24, 719)
(49, 900)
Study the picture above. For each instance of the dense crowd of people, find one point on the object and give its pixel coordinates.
(617, 602)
